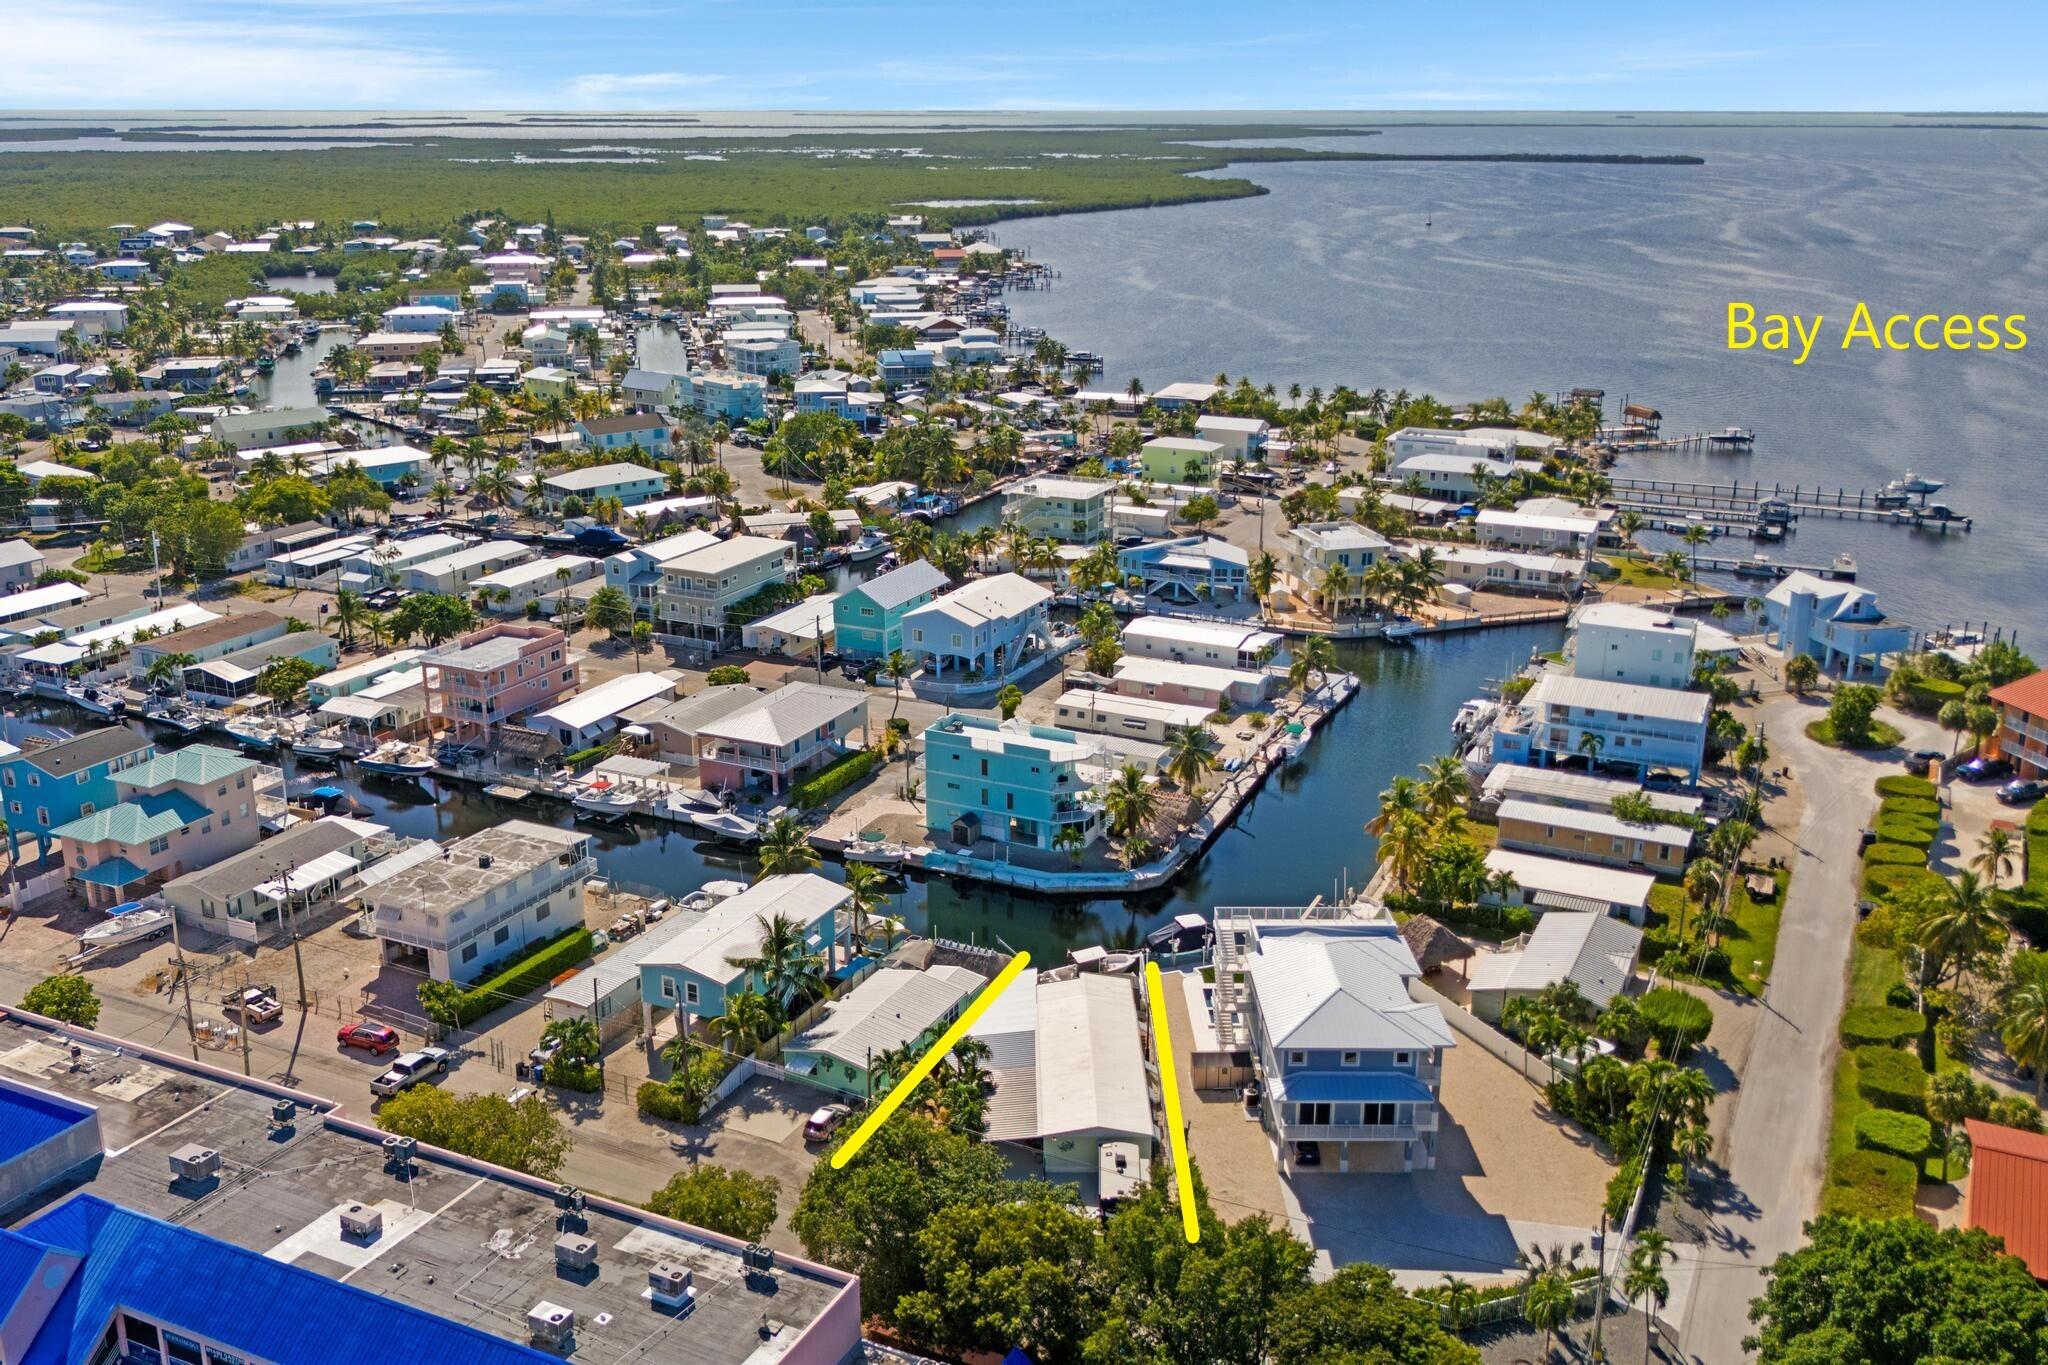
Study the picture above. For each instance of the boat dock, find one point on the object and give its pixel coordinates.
(1744, 505)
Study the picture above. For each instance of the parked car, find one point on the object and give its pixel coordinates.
(824, 1122)
(409, 1070)
(377, 1039)
(2022, 792)
(1917, 761)
(1984, 770)
(1307, 1154)
(253, 1005)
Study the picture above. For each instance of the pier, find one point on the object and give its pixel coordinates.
(1748, 504)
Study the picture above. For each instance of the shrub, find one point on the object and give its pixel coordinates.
(834, 778)
(1887, 1130)
(1883, 881)
(1885, 1024)
(1677, 1018)
(1867, 1184)
(657, 1101)
(1891, 1078)
(1912, 807)
(1899, 995)
(1901, 830)
(737, 1203)
(1897, 855)
(67, 998)
(725, 675)
(1900, 784)
(579, 1076)
(1928, 694)
(522, 974)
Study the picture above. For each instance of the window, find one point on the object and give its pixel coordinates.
(1348, 1059)
(43, 816)
(544, 911)
(469, 952)
(182, 1350)
(138, 1332)
(1297, 1059)
(1400, 1059)
(160, 844)
(690, 993)
(668, 988)
(503, 933)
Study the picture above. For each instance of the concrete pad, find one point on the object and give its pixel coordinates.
(322, 1237)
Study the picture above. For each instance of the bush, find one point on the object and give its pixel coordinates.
(1900, 996)
(1891, 1078)
(1899, 784)
(1911, 807)
(737, 1203)
(1896, 855)
(1867, 1184)
(69, 999)
(1887, 1130)
(584, 1077)
(1676, 1018)
(726, 675)
(1928, 694)
(1901, 830)
(522, 974)
(1884, 1024)
(834, 778)
(1883, 881)
(657, 1101)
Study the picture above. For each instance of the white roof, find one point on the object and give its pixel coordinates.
(1555, 786)
(1340, 535)
(519, 575)
(378, 457)
(998, 598)
(1595, 952)
(1149, 708)
(1555, 688)
(890, 1009)
(181, 617)
(606, 700)
(411, 856)
(1342, 990)
(468, 559)
(670, 547)
(1091, 1067)
(806, 619)
(368, 668)
(1047, 486)
(605, 475)
(729, 554)
(1495, 516)
(785, 715)
(1220, 634)
(1838, 600)
(733, 928)
(1217, 422)
(1521, 559)
(1174, 673)
(1600, 822)
(1533, 872)
(309, 874)
(1190, 444)
(14, 606)
(1628, 616)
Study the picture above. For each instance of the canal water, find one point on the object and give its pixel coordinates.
(1303, 835)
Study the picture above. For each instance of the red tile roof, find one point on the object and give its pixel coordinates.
(2028, 694)
(2009, 1190)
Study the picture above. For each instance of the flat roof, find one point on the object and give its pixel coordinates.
(513, 849)
(607, 475)
(607, 699)
(14, 606)
(519, 575)
(1223, 634)
(1660, 703)
(471, 558)
(1171, 672)
(1591, 822)
(1117, 704)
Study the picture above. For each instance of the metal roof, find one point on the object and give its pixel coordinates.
(30, 1117)
(1609, 885)
(1090, 1064)
(304, 844)
(733, 928)
(894, 588)
(1597, 694)
(1593, 951)
(891, 1009)
(135, 821)
(606, 700)
(1341, 991)
(786, 715)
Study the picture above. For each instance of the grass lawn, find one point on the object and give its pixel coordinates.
(1882, 736)
(1749, 933)
(1640, 573)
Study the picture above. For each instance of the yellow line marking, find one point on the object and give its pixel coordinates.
(903, 1089)
(1169, 1085)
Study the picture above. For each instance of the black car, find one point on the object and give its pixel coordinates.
(2022, 792)
(385, 598)
(1307, 1154)
(1917, 761)
(1984, 770)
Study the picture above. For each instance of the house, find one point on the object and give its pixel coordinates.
(1007, 782)
(1593, 836)
(1075, 511)
(542, 582)
(264, 541)
(1114, 713)
(802, 628)
(1243, 439)
(636, 571)
(274, 427)
(453, 574)
(776, 740)
(1508, 571)
(898, 1010)
(631, 484)
(21, 611)
(2022, 735)
(51, 786)
(2009, 1190)
(419, 317)
(95, 317)
(213, 640)
(488, 676)
(695, 973)
(185, 809)
(20, 565)
(37, 338)
(1595, 953)
(867, 618)
(1219, 689)
(389, 466)
(346, 682)
(650, 390)
(673, 729)
(987, 626)
(579, 722)
(1069, 1070)
(387, 347)
(700, 587)
(311, 864)
(724, 394)
(1219, 644)
(1324, 564)
(1564, 718)
(394, 706)
(764, 356)
(898, 367)
(105, 648)
(648, 431)
(1629, 644)
(1546, 533)
(1456, 475)
(1543, 884)
(1838, 625)
(1189, 569)
(1344, 1056)
(382, 563)
(237, 673)
(1578, 791)
(489, 897)
(320, 565)
(549, 381)
(1179, 459)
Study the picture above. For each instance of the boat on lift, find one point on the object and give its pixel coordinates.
(181, 716)
(253, 732)
(397, 759)
(1757, 566)
(101, 701)
(319, 744)
(1404, 628)
(871, 545)
(1899, 492)
(1740, 437)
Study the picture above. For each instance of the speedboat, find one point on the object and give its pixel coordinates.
(1732, 436)
(266, 363)
(176, 715)
(609, 799)
(1756, 566)
(871, 545)
(1920, 486)
(128, 922)
(1473, 714)
(253, 732)
(101, 701)
(1404, 627)
(319, 744)
(725, 824)
(684, 805)
(1181, 934)
(397, 759)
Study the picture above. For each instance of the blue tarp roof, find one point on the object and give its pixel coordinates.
(29, 1118)
(247, 1302)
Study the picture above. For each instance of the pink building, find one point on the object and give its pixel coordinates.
(492, 675)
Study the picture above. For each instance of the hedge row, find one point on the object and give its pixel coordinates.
(1891, 1078)
(523, 974)
(1885, 881)
(1883, 1024)
(1899, 784)
(1676, 1018)
(1912, 833)
(834, 778)
(1912, 807)
(1689, 955)
(1867, 1184)
(1930, 694)
(1895, 855)
(1887, 1130)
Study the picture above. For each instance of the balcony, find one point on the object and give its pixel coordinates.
(1355, 1132)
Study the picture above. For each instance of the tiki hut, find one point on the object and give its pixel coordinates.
(1434, 945)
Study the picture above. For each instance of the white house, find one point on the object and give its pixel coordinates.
(586, 718)
(508, 591)
(493, 894)
(453, 574)
(986, 626)
(1243, 439)
(1220, 644)
(1593, 952)
(1631, 644)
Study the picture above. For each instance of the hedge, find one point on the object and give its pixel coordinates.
(657, 1101)
(1914, 833)
(1887, 1130)
(585, 1077)
(1891, 1078)
(1887, 880)
(1880, 1024)
(1676, 1017)
(1899, 784)
(1911, 807)
(1690, 955)
(834, 778)
(523, 974)
(1867, 1184)
(1930, 694)
(1896, 855)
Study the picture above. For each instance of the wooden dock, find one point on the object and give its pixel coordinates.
(1746, 504)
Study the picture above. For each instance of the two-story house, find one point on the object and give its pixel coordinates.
(1324, 564)
(779, 739)
(988, 626)
(1075, 511)
(1630, 644)
(1838, 625)
(51, 786)
(1007, 782)
(1189, 569)
(693, 974)
(701, 586)
(175, 812)
(867, 618)
(489, 676)
(488, 897)
(649, 431)
(1604, 723)
(636, 570)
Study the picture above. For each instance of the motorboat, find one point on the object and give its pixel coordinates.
(397, 759)
(1732, 436)
(1473, 714)
(101, 701)
(1404, 628)
(609, 799)
(1919, 485)
(1181, 934)
(253, 732)
(1756, 566)
(1844, 568)
(319, 744)
(886, 852)
(728, 825)
(266, 363)
(1767, 530)
(129, 922)
(176, 715)
(871, 545)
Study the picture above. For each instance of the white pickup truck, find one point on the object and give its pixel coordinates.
(253, 1005)
(409, 1070)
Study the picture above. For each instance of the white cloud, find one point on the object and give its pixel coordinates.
(599, 86)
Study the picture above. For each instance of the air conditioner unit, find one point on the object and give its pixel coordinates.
(573, 1252)
(550, 1324)
(568, 1197)
(194, 1162)
(283, 1112)
(361, 1222)
(668, 1284)
(400, 1149)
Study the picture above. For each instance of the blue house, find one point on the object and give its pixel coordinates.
(1007, 782)
(986, 628)
(1838, 625)
(906, 367)
(694, 972)
(867, 620)
(53, 786)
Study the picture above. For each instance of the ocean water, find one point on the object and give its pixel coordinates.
(1468, 280)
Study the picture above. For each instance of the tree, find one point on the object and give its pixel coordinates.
(1130, 800)
(1200, 510)
(1850, 714)
(525, 1136)
(726, 675)
(737, 1203)
(784, 964)
(68, 998)
(1359, 1314)
(1009, 699)
(1547, 1303)
(2023, 1028)
(168, 670)
(283, 679)
(350, 615)
(1005, 1275)
(1994, 860)
(642, 639)
(1891, 1291)
(1951, 1097)
(1801, 673)
(785, 847)
(898, 666)
(1191, 754)
(1966, 923)
(1642, 1278)
(577, 1040)
(749, 1017)
(284, 500)
(609, 610)
(432, 617)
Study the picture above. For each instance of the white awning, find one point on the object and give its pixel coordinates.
(324, 868)
(384, 869)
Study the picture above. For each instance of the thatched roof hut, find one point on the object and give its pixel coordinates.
(1432, 944)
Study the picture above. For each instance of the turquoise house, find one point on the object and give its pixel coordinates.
(1006, 782)
(694, 972)
(867, 620)
(53, 786)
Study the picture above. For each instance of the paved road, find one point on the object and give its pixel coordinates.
(1777, 1144)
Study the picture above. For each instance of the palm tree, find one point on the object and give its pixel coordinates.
(1702, 888)
(1547, 1303)
(864, 890)
(1130, 800)
(785, 847)
(1335, 585)
(1404, 846)
(1459, 1298)
(169, 668)
(1260, 576)
(1967, 923)
(1317, 657)
(1070, 839)
(349, 615)
(785, 965)
(1445, 785)
(1590, 744)
(1695, 535)
(898, 666)
(1994, 855)
(2024, 1030)
(1403, 794)
(749, 1017)
(1191, 753)
(1628, 526)
(1643, 1282)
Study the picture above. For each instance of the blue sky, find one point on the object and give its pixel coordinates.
(1051, 54)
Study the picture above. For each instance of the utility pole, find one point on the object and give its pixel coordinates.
(291, 899)
(156, 569)
(178, 956)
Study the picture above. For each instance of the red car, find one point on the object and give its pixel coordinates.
(376, 1038)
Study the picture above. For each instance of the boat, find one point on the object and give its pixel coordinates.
(323, 744)
(175, 715)
(683, 805)
(608, 800)
(1404, 627)
(1732, 436)
(253, 732)
(1181, 934)
(1473, 714)
(266, 363)
(1844, 568)
(1920, 486)
(871, 545)
(291, 345)
(311, 331)
(1767, 530)
(101, 701)
(871, 847)
(397, 759)
(1756, 566)
(725, 824)
(129, 922)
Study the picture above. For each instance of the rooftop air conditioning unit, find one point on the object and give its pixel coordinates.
(568, 1197)
(400, 1149)
(574, 1252)
(668, 1284)
(194, 1162)
(361, 1222)
(550, 1324)
(483, 860)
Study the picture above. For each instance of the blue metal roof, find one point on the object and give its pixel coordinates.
(114, 872)
(29, 1118)
(245, 1301)
(1370, 1087)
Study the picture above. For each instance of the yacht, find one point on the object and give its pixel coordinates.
(397, 759)
(1473, 714)
(871, 545)
(1741, 437)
